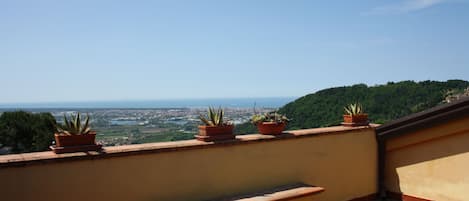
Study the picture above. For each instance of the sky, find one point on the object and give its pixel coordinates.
(91, 50)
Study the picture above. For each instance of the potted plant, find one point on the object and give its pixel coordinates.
(215, 128)
(355, 115)
(74, 135)
(270, 123)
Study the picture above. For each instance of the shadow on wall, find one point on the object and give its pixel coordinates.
(449, 145)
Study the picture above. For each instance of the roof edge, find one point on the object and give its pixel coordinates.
(433, 116)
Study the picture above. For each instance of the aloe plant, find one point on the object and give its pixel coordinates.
(354, 109)
(215, 117)
(74, 126)
(269, 117)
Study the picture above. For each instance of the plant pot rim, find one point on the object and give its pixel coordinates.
(270, 123)
(224, 126)
(63, 134)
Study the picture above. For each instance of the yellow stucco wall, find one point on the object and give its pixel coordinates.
(344, 164)
(431, 163)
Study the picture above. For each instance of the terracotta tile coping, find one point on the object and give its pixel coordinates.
(15, 160)
(280, 194)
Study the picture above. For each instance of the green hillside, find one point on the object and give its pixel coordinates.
(382, 102)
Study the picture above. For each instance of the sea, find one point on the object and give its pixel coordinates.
(272, 102)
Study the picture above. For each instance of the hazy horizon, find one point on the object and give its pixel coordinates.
(272, 102)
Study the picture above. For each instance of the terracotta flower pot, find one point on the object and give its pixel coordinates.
(216, 130)
(75, 140)
(271, 128)
(356, 120)
(75, 143)
(215, 133)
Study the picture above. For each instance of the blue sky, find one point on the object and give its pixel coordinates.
(130, 50)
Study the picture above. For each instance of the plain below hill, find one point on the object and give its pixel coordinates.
(382, 102)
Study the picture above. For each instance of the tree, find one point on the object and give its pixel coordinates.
(26, 132)
(383, 103)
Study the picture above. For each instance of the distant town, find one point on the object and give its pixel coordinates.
(133, 126)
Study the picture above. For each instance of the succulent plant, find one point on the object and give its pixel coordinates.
(269, 117)
(354, 109)
(74, 126)
(215, 117)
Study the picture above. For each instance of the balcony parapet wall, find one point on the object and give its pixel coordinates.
(13, 160)
(343, 160)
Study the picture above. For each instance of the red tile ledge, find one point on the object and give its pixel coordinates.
(18, 160)
(283, 193)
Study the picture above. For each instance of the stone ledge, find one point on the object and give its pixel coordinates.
(19, 160)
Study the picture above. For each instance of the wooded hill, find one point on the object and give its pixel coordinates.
(382, 102)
